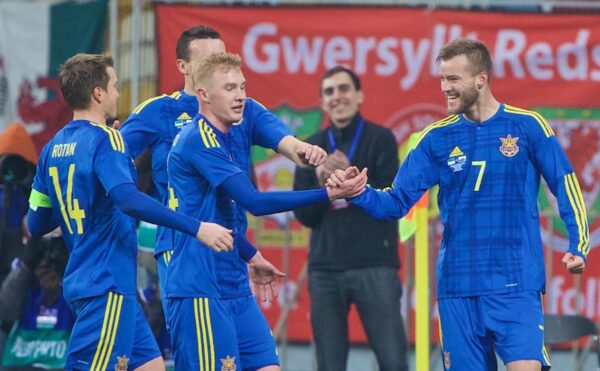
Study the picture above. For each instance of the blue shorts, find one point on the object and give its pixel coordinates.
(110, 331)
(472, 328)
(211, 334)
(162, 263)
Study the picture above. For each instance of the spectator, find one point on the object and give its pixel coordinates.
(353, 258)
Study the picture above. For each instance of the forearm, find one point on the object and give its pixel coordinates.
(258, 203)
(573, 213)
(41, 221)
(288, 147)
(310, 215)
(245, 249)
(140, 206)
(381, 204)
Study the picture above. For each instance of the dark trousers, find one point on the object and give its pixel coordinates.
(376, 292)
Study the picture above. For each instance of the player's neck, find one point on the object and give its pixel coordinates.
(90, 115)
(483, 109)
(214, 120)
(188, 87)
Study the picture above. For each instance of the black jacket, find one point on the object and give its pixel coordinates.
(348, 238)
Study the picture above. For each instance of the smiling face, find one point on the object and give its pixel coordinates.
(340, 99)
(460, 85)
(224, 95)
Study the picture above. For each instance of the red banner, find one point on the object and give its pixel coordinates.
(545, 62)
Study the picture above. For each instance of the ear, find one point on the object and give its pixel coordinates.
(202, 95)
(181, 65)
(360, 96)
(98, 94)
(482, 80)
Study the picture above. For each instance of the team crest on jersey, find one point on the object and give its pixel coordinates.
(228, 364)
(447, 360)
(121, 363)
(183, 120)
(509, 146)
(457, 159)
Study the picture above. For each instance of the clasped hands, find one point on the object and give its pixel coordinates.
(341, 179)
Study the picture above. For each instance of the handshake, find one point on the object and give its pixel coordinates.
(346, 183)
(341, 183)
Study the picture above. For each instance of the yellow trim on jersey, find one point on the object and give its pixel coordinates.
(209, 138)
(175, 94)
(110, 324)
(444, 122)
(167, 257)
(142, 105)
(578, 206)
(545, 355)
(116, 140)
(539, 118)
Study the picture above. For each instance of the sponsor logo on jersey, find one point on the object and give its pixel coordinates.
(183, 120)
(121, 363)
(228, 364)
(457, 159)
(509, 146)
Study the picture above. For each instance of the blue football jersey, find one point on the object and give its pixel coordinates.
(156, 122)
(199, 162)
(489, 177)
(77, 169)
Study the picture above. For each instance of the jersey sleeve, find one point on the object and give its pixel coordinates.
(552, 162)
(416, 175)
(210, 159)
(267, 129)
(142, 127)
(111, 162)
(39, 196)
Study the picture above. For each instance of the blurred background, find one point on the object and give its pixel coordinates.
(546, 58)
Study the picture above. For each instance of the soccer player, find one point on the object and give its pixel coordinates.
(208, 324)
(487, 158)
(84, 184)
(155, 123)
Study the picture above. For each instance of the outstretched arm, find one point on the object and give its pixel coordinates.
(140, 206)
(240, 188)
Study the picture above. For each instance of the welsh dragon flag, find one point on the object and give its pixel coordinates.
(35, 39)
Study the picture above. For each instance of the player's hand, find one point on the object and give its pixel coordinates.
(116, 124)
(263, 278)
(215, 236)
(574, 263)
(346, 184)
(311, 154)
(335, 161)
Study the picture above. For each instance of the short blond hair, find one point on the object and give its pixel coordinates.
(203, 71)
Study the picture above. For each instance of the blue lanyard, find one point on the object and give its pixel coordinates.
(361, 125)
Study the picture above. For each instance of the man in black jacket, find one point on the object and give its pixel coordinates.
(353, 258)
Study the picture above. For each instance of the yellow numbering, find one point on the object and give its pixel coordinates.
(173, 201)
(72, 210)
(480, 175)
